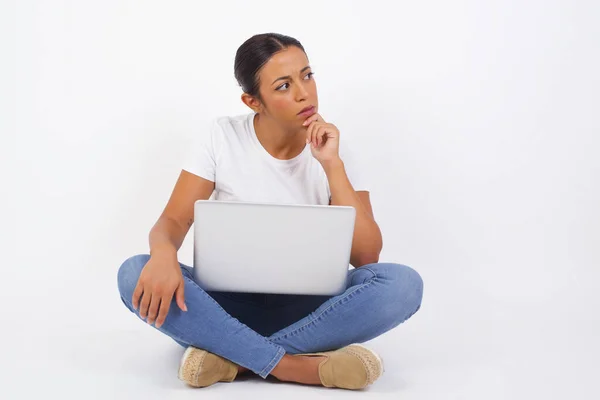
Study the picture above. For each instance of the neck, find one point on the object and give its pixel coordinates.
(280, 142)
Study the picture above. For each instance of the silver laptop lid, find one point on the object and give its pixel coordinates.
(272, 248)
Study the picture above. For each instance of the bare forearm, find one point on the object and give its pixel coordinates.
(166, 235)
(367, 241)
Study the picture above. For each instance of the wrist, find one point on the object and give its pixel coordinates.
(332, 165)
(163, 249)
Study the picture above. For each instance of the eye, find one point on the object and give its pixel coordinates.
(309, 75)
(282, 86)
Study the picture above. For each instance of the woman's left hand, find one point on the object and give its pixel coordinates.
(324, 139)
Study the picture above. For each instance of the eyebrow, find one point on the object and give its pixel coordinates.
(289, 77)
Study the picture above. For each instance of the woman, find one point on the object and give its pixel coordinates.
(283, 151)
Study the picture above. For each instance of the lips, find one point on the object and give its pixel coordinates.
(307, 111)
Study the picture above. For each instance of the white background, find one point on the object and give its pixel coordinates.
(477, 122)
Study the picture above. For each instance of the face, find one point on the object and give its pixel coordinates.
(287, 87)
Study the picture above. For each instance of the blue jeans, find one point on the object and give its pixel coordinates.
(255, 330)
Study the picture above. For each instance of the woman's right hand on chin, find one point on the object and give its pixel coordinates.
(160, 280)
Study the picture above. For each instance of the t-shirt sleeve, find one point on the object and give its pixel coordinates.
(354, 165)
(201, 157)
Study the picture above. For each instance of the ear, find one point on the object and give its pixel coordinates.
(252, 102)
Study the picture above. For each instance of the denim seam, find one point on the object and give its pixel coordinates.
(267, 370)
(369, 269)
(359, 288)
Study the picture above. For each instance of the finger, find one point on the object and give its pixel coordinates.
(179, 296)
(146, 297)
(313, 133)
(312, 118)
(308, 135)
(321, 135)
(153, 310)
(165, 303)
(137, 292)
(309, 131)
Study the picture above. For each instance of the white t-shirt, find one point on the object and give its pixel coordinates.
(230, 155)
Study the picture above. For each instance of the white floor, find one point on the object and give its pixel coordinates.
(82, 343)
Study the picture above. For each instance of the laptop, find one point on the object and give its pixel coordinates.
(272, 248)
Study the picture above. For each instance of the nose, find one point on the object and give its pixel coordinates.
(301, 92)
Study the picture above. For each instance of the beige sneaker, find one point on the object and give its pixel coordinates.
(351, 367)
(200, 368)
